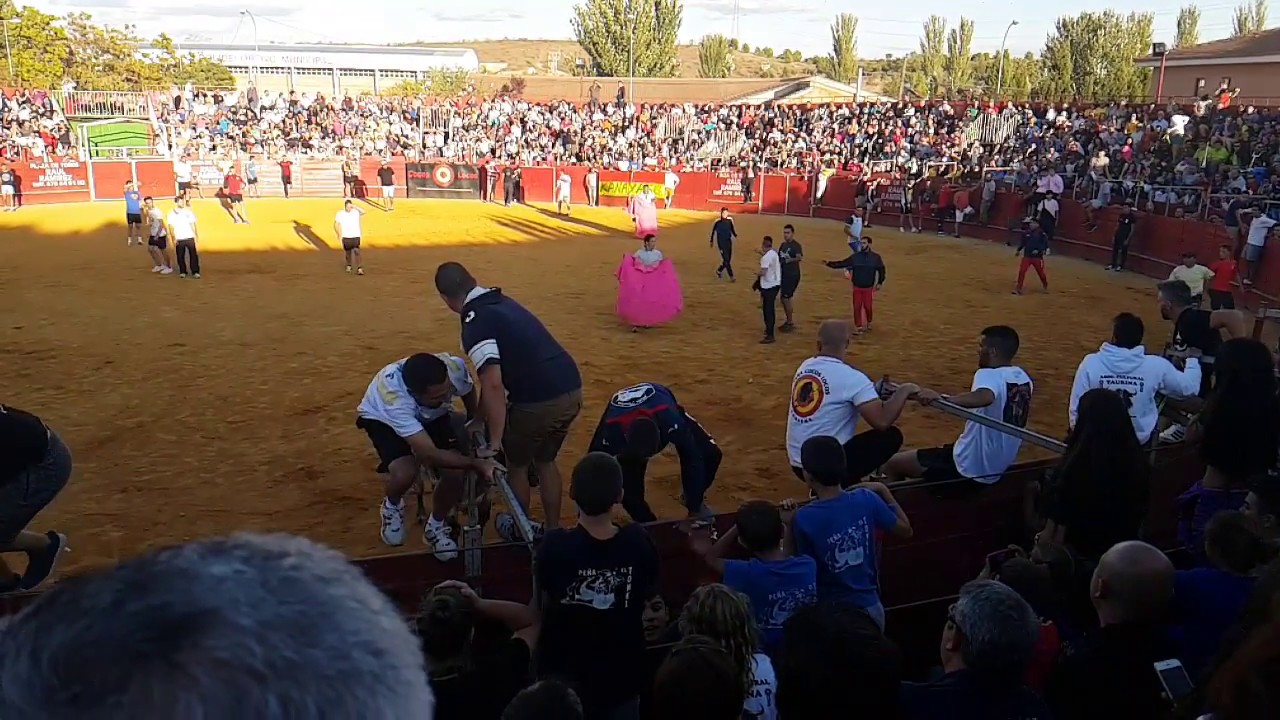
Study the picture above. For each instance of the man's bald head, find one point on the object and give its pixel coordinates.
(1133, 580)
(833, 336)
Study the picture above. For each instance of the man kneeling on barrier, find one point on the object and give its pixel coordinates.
(407, 414)
(639, 422)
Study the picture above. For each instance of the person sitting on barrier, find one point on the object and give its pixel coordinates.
(468, 684)
(724, 616)
(1097, 495)
(595, 579)
(988, 641)
(1110, 672)
(1262, 506)
(1203, 330)
(1001, 391)
(1239, 434)
(640, 422)
(1195, 275)
(838, 529)
(827, 398)
(776, 583)
(406, 412)
(1122, 365)
(251, 626)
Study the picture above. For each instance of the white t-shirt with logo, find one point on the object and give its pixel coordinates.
(772, 267)
(761, 703)
(183, 223)
(349, 222)
(389, 402)
(825, 395)
(980, 452)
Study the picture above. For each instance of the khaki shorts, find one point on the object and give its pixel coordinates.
(535, 431)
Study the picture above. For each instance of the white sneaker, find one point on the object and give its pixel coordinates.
(1173, 434)
(439, 537)
(166, 271)
(393, 523)
(157, 268)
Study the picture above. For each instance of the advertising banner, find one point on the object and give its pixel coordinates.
(208, 174)
(442, 180)
(725, 185)
(627, 189)
(56, 176)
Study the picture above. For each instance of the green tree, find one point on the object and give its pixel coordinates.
(1090, 56)
(765, 52)
(1188, 28)
(176, 68)
(715, 57)
(959, 59)
(38, 46)
(609, 29)
(842, 64)
(933, 57)
(1249, 18)
(746, 48)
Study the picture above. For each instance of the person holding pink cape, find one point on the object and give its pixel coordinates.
(649, 292)
(643, 209)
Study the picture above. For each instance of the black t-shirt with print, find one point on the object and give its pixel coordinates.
(386, 176)
(789, 250)
(483, 689)
(594, 595)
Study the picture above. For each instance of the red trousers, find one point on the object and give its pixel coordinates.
(862, 301)
(1038, 264)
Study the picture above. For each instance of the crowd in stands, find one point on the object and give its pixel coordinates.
(31, 128)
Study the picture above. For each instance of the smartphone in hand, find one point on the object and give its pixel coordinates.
(1177, 684)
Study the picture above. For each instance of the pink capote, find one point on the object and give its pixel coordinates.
(648, 296)
(645, 212)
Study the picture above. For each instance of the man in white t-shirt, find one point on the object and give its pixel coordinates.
(827, 398)
(346, 225)
(182, 174)
(769, 283)
(1001, 391)
(182, 228)
(564, 186)
(671, 181)
(1259, 229)
(407, 414)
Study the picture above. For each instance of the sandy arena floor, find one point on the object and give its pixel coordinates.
(202, 407)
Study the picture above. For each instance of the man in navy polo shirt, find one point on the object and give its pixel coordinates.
(530, 388)
(639, 423)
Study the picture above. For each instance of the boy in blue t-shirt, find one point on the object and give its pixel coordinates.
(777, 584)
(838, 528)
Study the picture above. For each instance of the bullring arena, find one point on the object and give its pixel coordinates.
(200, 407)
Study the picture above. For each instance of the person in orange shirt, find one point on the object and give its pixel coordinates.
(1224, 273)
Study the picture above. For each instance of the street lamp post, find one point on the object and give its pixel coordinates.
(1000, 66)
(631, 56)
(256, 50)
(8, 52)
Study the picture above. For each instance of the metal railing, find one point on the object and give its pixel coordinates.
(103, 104)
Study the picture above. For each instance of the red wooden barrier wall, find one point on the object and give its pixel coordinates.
(1157, 244)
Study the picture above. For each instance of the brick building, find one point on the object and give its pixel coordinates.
(1251, 63)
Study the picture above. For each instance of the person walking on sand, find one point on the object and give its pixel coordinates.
(723, 233)
(346, 225)
(158, 240)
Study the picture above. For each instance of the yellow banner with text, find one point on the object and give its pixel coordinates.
(615, 188)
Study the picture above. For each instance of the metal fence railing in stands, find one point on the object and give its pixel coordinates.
(991, 129)
(103, 104)
(1215, 206)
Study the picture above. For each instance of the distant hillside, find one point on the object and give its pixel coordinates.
(521, 55)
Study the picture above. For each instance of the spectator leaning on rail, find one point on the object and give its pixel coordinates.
(253, 626)
(987, 642)
(1123, 365)
(530, 388)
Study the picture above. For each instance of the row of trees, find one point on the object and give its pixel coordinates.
(47, 51)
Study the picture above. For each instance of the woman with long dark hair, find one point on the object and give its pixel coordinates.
(1239, 433)
(1097, 496)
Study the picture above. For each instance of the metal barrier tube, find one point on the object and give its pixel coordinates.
(523, 525)
(964, 413)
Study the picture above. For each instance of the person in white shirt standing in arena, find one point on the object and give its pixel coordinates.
(1001, 391)
(564, 187)
(827, 398)
(346, 225)
(671, 181)
(158, 242)
(182, 228)
(407, 414)
(769, 283)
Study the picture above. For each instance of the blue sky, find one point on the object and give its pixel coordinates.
(799, 24)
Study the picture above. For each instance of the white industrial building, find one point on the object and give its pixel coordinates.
(330, 69)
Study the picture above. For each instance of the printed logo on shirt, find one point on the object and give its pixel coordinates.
(784, 603)
(1126, 386)
(848, 548)
(1017, 405)
(634, 396)
(600, 589)
(471, 315)
(807, 394)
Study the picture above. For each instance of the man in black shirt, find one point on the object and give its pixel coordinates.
(867, 273)
(723, 233)
(791, 254)
(511, 184)
(34, 467)
(530, 387)
(594, 580)
(1125, 224)
(387, 179)
(1193, 327)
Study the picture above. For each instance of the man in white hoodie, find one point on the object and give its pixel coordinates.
(1124, 367)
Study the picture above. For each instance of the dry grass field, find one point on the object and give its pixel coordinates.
(200, 407)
